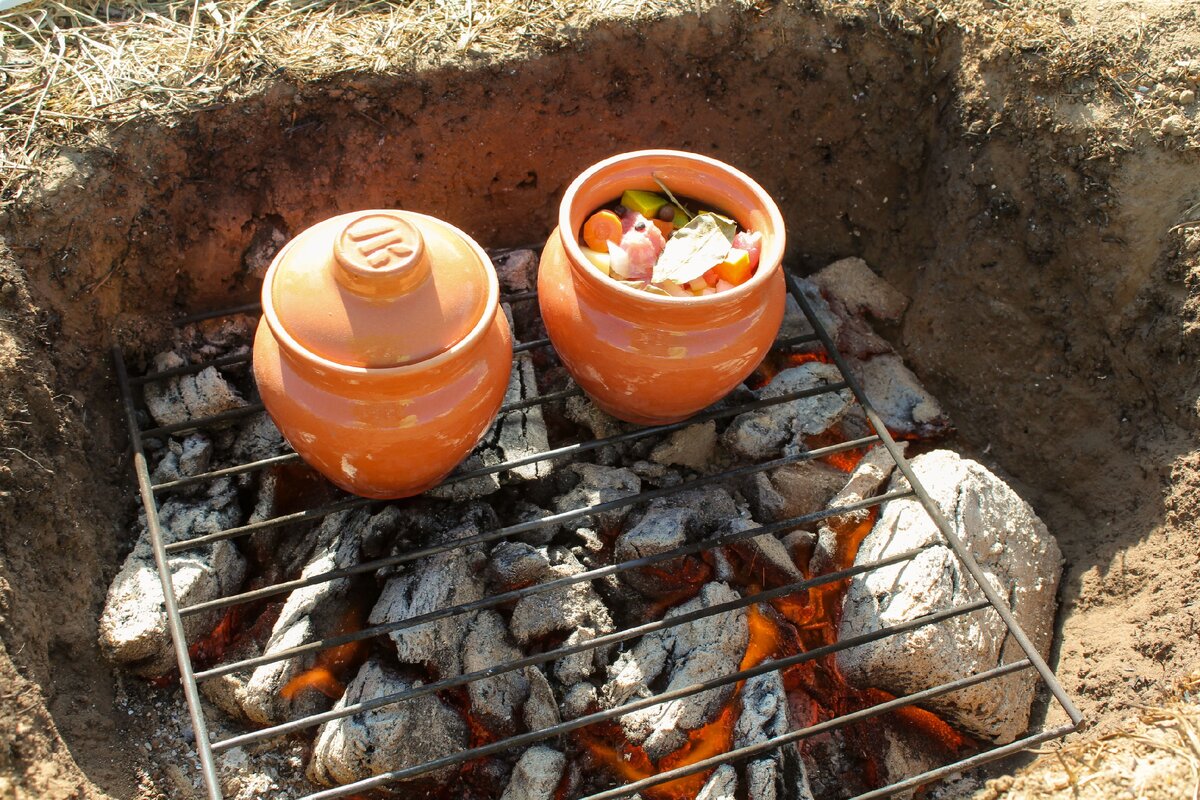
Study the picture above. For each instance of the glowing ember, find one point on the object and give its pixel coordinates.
(777, 362)
(334, 664)
(632, 763)
(209, 649)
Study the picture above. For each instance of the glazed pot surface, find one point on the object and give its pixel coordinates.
(382, 355)
(643, 357)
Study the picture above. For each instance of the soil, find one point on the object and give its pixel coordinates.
(999, 165)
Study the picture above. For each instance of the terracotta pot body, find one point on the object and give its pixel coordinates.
(646, 358)
(382, 355)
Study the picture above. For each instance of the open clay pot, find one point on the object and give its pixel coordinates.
(381, 354)
(649, 358)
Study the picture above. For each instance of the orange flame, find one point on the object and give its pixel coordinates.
(333, 664)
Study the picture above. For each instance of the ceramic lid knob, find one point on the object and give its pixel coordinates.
(378, 289)
(380, 253)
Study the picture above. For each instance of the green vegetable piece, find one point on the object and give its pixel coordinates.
(645, 203)
(681, 218)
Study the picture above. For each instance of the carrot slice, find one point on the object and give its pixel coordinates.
(736, 268)
(664, 227)
(600, 229)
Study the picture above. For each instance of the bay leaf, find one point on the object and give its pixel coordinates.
(694, 249)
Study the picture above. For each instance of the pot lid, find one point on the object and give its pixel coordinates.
(379, 289)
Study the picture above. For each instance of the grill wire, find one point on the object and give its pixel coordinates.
(189, 678)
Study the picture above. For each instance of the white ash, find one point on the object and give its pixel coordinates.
(308, 615)
(575, 610)
(871, 472)
(690, 653)
(133, 625)
(536, 775)
(270, 235)
(595, 485)
(213, 338)
(768, 432)
(690, 447)
(856, 286)
(1019, 558)
(721, 785)
(433, 583)
(904, 405)
(906, 753)
(392, 737)
(188, 397)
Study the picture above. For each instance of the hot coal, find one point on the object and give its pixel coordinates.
(780, 429)
(691, 447)
(434, 583)
(687, 654)
(392, 737)
(1015, 551)
(575, 610)
(188, 397)
(868, 477)
(495, 701)
(308, 615)
(763, 716)
(515, 435)
(536, 775)
(792, 490)
(721, 785)
(133, 627)
(592, 484)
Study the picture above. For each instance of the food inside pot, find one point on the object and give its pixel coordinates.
(656, 242)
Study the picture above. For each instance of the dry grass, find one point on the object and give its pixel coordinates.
(74, 70)
(71, 70)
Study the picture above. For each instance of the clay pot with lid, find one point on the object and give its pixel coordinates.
(648, 358)
(382, 354)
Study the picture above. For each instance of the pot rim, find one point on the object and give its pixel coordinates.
(772, 252)
(291, 346)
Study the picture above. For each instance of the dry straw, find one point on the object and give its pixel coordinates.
(72, 71)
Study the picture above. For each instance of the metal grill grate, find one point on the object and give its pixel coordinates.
(190, 679)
